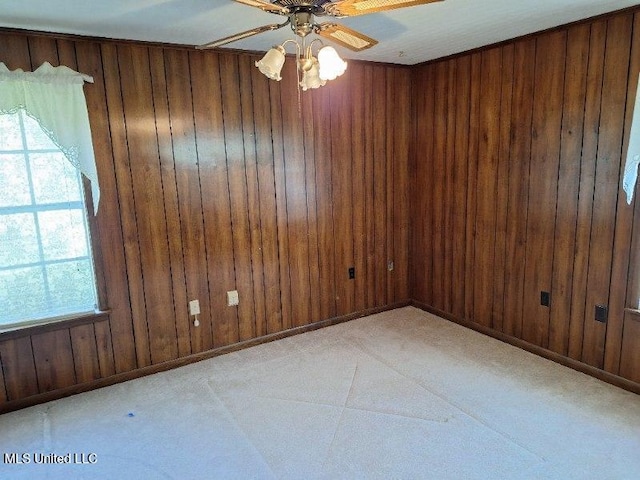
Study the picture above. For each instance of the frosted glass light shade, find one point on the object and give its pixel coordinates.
(331, 65)
(311, 77)
(271, 64)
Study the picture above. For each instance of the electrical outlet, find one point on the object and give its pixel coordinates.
(232, 298)
(602, 313)
(545, 299)
(194, 307)
(352, 273)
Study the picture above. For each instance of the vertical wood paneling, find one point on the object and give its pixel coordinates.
(575, 85)
(108, 218)
(587, 184)
(19, 369)
(53, 357)
(543, 182)
(518, 198)
(85, 353)
(390, 177)
(460, 172)
(170, 199)
(379, 261)
(369, 199)
(359, 180)
(148, 196)
(278, 138)
(3, 390)
(342, 195)
(625, 274)
(488, 157)
(401, 212)
(294, 171)
(472, 183)
(548, 124)
(268, 214)
(237, 180)
(253, 195)
(104, 347)
(185, 151)
(438, 183)
(610, 135)
(124, 187)
(449, 187)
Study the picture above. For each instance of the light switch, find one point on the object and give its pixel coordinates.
(232, 298)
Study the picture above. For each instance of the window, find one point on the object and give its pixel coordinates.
(46, 268)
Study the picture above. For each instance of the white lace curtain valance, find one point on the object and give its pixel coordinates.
(54, 97)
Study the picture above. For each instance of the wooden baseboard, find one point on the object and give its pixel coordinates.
(535, 349)
(179, 362)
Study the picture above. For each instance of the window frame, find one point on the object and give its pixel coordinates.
(72, 319)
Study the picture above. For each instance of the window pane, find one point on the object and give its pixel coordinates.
(22, 294)
(18, 240)
(54, 178)
(36, 138)
(71, 287)
(63, 234)
(10, 137)
(14, 182)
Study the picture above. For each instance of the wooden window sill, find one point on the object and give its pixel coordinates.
(68, 322)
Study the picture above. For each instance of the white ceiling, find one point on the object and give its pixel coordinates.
(421, 33)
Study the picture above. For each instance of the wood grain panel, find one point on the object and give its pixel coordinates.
(104, 347)
(170, 200)
(139, 116)
(19, 368)
(237, 179)
(575, 85)
(472, 183)
(85, 353)
(245, 67)
(268, 213)
(624, 276)
(441, 78)
(185, 151)
(547, 128)
(121, 160)
(610, 135)
(592, 107)
(460, 172)
(488, 157)
(53, 357)
(341, 174)
(379, 267)
(369, 197)
(108, 217)
(630, 350)
(543, 182)
(212, 165)
(390, 182)
(3, 390)
(518, 198)
(294, 171)
(401, 191)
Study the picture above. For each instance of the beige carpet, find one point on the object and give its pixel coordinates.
(402, 394)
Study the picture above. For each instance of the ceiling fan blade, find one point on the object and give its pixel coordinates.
(345, 36)
(265, 5)
(241, 35)
(351, 8)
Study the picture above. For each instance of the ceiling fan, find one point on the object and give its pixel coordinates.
(300, 15)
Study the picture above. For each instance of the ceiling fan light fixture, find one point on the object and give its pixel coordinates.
(331, 65)
(311, 76)
(271, 64)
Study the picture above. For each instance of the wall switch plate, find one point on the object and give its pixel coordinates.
(390, 265)
(602, 313)
(352, 273)
(194, 307)
(232, 298)
(545, 299)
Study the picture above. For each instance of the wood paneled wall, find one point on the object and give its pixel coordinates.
(213, 178)
(517, 174)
